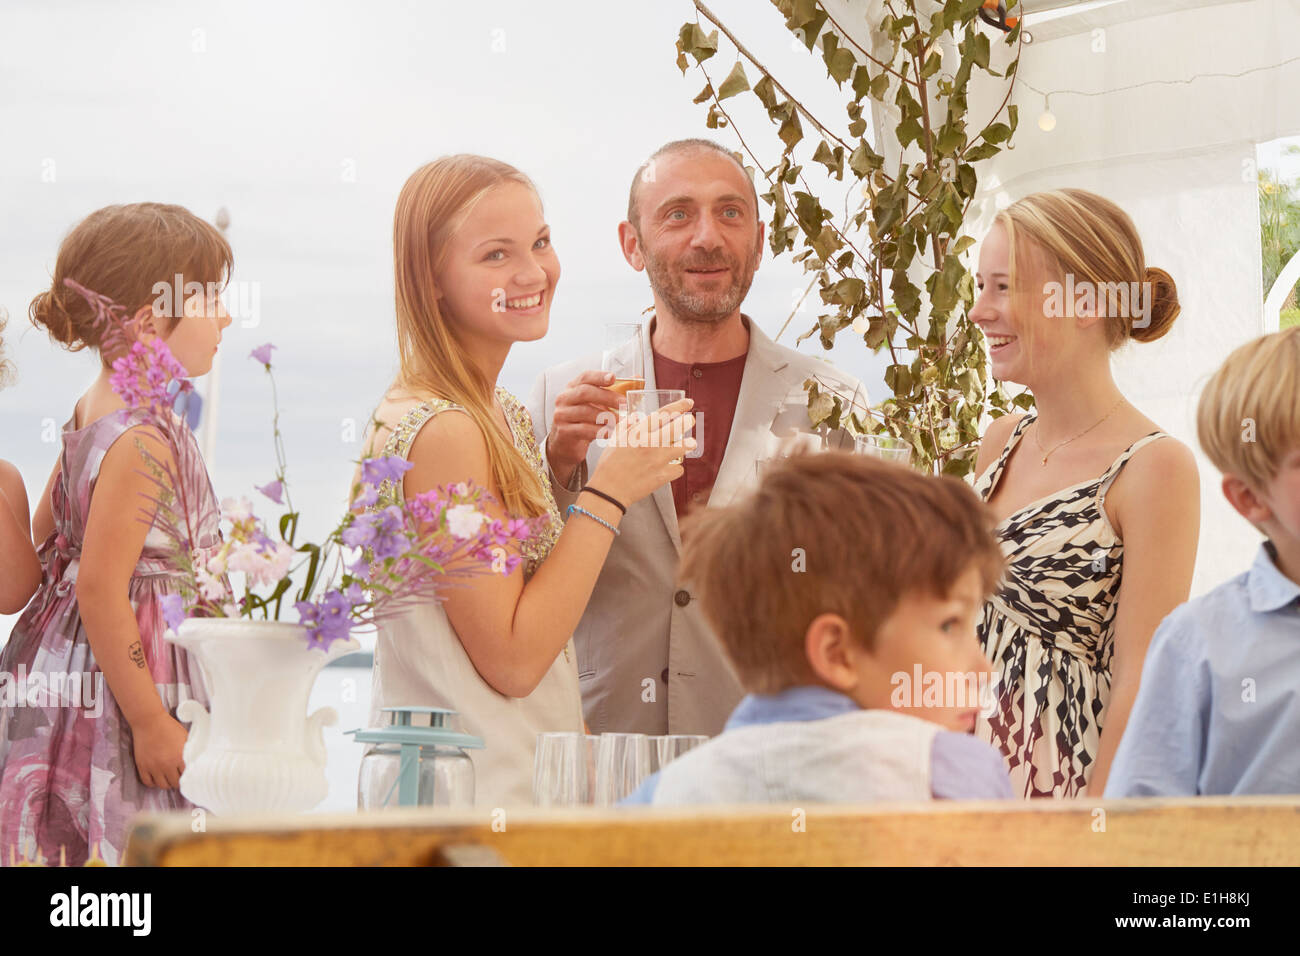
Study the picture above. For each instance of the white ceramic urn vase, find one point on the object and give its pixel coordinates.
(257, 750)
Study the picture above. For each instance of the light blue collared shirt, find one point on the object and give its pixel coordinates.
(962, 767)
(1218, 710)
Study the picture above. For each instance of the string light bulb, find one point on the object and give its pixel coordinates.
(1047, 121)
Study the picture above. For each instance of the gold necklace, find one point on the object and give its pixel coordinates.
(1048, 454)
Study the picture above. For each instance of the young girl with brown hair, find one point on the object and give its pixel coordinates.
(79, 759)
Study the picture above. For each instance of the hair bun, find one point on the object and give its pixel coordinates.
(49, 311)
(1161, 299)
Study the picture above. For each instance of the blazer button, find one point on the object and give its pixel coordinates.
(664, 676)
(682, 598)
(697, 373)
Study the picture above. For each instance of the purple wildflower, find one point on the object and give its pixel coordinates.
(142, 376)
(274, 491)
(383, 532)
(263, 354)
(328, 620)
(173, 610)
(375, 471)
(390, 533)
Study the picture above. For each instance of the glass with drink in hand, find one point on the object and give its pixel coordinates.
(642, 403)
(624, 355)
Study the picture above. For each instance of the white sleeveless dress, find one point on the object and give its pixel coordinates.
(419, 660)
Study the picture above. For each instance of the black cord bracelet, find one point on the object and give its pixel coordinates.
(610, 498)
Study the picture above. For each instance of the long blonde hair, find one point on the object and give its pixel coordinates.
(433, 204)
(1073, 232)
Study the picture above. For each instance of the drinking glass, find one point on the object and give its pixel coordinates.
(669, 747)
(622, 762)
(642, 403)
(624, 355)
(886, 447)
(560, 777)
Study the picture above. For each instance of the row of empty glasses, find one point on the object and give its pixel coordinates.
(573, 769)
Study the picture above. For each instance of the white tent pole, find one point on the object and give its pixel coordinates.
(1286, 281)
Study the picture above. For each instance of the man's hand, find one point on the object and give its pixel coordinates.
(582, 411)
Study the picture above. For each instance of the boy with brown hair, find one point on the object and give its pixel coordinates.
(845, 591)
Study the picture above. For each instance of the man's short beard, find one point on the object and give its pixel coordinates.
(707, 309)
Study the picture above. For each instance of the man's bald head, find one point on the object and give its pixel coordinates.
(676, 147)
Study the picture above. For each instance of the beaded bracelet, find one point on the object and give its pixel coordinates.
(584, 511)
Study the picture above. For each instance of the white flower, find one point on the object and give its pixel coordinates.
(236, 509)
(210, 586)
(461, 489)
(262, 567)
(463, 521)
(278, 561)
(230, 609)
(217, 563)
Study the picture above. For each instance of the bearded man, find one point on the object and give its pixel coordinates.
(648, 661)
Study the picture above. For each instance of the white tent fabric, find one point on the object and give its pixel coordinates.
(1171, 99)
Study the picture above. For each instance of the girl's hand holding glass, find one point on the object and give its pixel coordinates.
(645, 452)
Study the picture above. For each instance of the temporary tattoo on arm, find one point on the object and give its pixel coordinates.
(136, 653)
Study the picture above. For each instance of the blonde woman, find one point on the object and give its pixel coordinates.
(475, 273)
(1097, 508)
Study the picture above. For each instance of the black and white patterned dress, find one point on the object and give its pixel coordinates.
(1049, 629)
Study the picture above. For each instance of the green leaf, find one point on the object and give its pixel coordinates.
(864, 161)
(691, 39)
(980, 151)
(790, 132)
(736, 82)
(861, 81)
(951, 138)
(847, 291)
(899, 379)
(765, 90)
(820, 405)
(833, 160)
(966, 180)
(980, 53)
(909, 131)
(841, 65)
(997, 133)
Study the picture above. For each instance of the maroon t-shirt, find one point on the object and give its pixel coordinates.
(714, 386)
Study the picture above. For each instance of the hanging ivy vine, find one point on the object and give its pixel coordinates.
(866, 262)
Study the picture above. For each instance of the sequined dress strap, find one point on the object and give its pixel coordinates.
(399, 441)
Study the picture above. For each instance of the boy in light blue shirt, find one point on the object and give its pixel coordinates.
(845, 591)
(1218, 711)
